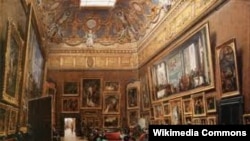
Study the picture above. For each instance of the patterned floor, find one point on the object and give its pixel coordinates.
(70, 136)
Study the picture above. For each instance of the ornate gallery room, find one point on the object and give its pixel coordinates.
(86, 70)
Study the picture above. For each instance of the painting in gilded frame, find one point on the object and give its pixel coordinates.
(198, 102)
(111, 103)
(4, 112)
(145, 92)
(133, 117)
(111, 121)
(70, 105)
(91, 93)
(176, 111)
(227, 68)
(13, 59)
(111, 86)
(211, 104)
(70, 88)
(12, 121)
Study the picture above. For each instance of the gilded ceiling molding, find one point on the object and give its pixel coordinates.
(93, 61)
(180, 18)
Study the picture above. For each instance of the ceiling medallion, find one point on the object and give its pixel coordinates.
(91, 23)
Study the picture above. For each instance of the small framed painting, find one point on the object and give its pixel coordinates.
(111, 86)
(70, 88)
(198, 104)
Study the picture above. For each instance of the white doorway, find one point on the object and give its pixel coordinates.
(69, 127)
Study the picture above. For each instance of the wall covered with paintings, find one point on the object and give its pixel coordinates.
(195, 75)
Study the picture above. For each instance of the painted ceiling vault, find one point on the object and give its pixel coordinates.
(65, 22)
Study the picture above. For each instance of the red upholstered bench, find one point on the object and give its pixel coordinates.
(113, 136)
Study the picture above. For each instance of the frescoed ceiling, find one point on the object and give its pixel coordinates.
(66, 22)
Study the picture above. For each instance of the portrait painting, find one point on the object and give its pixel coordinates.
(187, 119)
(12, 68)
(187, 105)
(91, 93)
(198, 104)
(211, 103)
(176, 111)
(132, 98)
(145, 93)
(111, 121)
(3, 118)
(111, 86)
(111, 103)
(133, 117)
(70, 104)
(246, 119)
(228, 69)
(12, 121)
(70, 88)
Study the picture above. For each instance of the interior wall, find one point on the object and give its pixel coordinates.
(230, 20)
(121, 76)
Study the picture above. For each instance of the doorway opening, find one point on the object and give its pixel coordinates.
(69, 127)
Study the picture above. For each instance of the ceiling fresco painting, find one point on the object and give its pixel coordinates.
(65, 21)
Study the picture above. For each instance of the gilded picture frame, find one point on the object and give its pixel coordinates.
(145, 94)
(176, 111)
(187, 119)
(187, 106)
(166, 108)
(111, 103)
(133, 117)
(111, 86)
(4, 112)
(146, 115)
(12, 66)
(91, 97)
(12, 120)
(70, 88)
(70, 105)
(133, 98)
(158, 110)
(198, 102)
(211, 103)
(189, 67)
(111, 121)
(212, 120)
(226, 56)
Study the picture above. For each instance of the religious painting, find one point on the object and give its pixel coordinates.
(12, 121)
(70, 88)
(176, 111)
(166, 108)
(246, 119)
(111, 86)
(111, 121)
(158, 110)
(3, 118)
(227, 68)
(187, 105)
(132, 98)
(133, 117)
(70, 104)
(198, 104)
(91, 93)
(12, 68)
(145, 93)
(111, 103)
(211, 103)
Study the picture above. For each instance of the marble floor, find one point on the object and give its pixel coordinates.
(70, 136)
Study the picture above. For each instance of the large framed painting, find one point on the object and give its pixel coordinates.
(4, 112)
(111, 121)
(133, 95)
(227, 68)
(198, 100)
(188, 66)
(146, 102)
(12, 121)
(70, 105)
(111, 103)
(111, 86)
(13, 59)
(70, 88)
(176, 111)
(133, 117)
(91, 93)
